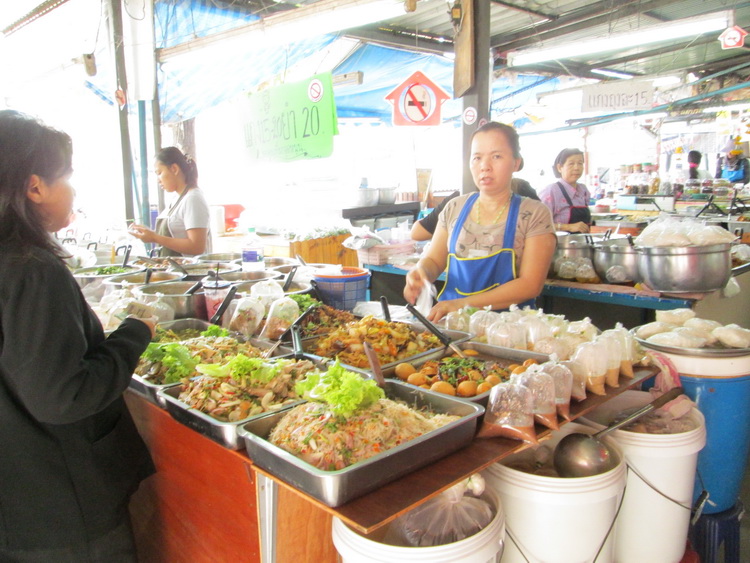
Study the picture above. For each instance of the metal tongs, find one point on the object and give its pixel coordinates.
(436, 331)
(377, 370)
(224, 304)
(177, 266)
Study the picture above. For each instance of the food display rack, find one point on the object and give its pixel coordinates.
(207, 503)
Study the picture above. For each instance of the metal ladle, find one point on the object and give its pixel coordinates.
(584, 455)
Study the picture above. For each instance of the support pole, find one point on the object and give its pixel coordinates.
(145, 205)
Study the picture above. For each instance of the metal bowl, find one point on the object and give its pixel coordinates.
(249, 278)
(296, 287)
(196, 272)
(273, 261)
(173, 294)
(218, 257)
(85, 276)
(685, 269)
(616, 252)
(139, 278)
(285, 269)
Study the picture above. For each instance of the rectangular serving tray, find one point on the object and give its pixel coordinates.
(335, 488)
(224, 433)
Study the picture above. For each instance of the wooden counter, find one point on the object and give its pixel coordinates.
(202, 504)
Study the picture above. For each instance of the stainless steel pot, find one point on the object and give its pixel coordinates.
(685, 269)
(218, 257)
(301, 287)
(139, 278)
(251, 277)
(616, 252)
(196, 272)
(288, 267)
(85, 276)
(273, 261)
(572, 246)
(174, 294)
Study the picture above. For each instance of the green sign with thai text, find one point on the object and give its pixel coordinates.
(294, 121)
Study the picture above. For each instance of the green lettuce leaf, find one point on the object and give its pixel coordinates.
(215, 330)
(175, 357)
(345, 392)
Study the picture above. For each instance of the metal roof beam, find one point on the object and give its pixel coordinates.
(550, 17)
(402, 39)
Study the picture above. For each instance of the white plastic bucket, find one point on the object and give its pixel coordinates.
(554, 519)
(483, 547)
(651, 527)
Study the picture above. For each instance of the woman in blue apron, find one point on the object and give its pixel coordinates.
(567, 199)
(495, 247)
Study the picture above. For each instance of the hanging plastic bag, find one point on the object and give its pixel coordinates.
(451, 516)
(281, 315)
(247, 316)
(424, 301)
(509, 414)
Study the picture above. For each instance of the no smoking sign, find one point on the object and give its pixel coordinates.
(417, 101)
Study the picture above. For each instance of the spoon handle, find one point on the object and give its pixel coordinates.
(655, 404)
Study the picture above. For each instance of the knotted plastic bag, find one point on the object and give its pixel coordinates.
(247, 316)
(458, 320)
(562, 377)
(480, 321)
(281, 315)
(542, 389)
(509, 414)
(451, 516)
(507, 335)
(267, 291)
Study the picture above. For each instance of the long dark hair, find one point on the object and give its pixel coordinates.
(172, 155)
(27, 147)
(564, 155)
(694, 160)
(510, 133)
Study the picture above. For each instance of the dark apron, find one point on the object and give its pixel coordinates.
(469, 276)
(577, 214)
(162, 227)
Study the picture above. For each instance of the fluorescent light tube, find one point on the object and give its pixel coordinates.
(653, 34)
(611, 73)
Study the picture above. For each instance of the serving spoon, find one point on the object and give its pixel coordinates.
(377, 370)
(585, 455)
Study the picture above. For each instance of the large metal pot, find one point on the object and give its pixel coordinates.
(174, 294)
(616, 252)
(273, 261)
(196, 272)
(86, 276)
(218, 257)
(572, 246)
(139, 278)
(251, 277)
(244, 288)
(685, 269)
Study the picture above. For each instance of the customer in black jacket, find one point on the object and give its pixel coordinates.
(70, 455)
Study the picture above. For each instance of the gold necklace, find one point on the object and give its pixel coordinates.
(500, 214)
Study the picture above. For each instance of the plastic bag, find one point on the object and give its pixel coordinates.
(557, 346)
(567, 270)
(247, 316)
(536, 329)
(705, 235)
(542, 389)
(675, 316)
(664, 231)
(509, 414)
(733, 336)
(480, 321)
(267, 291)
(741, 253)
(424, 301)
(458, 320)
(611, 345)
(163, 311)
(451, 516)
(585, 273)
(592, 357)
(578, 390)
(646, 331)
(507, 335)
(731, 289)
(562, 378)
(281, 315)
(626, 344)
(584, 328)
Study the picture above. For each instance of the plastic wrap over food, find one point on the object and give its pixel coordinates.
(611, 344)
(458, 320)
(536, 329)
(567, 270)
(562, 378)
(675, 316)
(702, 324)
(163, 310)
(451, 516)
(584, 328)
(676, 340)
(267, 291)
(247, 316)
(733, 336)
(705, 235)
(542, 389)
(706, 335)
(617, 274)
(741, 252)
(480, 321)
(551, 345)
(626, 343)
(585, 273)
(592, 356)
(646, 331)
(509, 414)
(578, 390)
(508, 335)
(281, 315)
(664, 231)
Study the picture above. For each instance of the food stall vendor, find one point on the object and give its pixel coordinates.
(567, 198)
(496, 245)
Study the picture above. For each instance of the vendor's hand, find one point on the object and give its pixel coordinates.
(415, 281)
(442, 308)
(143, 233)
(579, 227)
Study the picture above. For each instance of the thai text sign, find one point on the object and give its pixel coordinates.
(293, 121)
(623, 95)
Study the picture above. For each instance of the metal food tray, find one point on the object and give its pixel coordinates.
(309, 344)
(151, 390)
(224, 433)
(703, 352)
(335, 488)
(486, 351)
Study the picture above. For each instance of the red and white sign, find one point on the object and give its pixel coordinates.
(470, 116)
(315, 90)
(417, 101)
(732, 37)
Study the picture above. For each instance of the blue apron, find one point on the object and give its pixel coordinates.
(469, 276)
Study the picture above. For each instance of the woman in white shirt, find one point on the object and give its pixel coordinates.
(182, 229)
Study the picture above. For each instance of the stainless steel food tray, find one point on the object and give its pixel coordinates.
(512, 356)
(702, 352)
(309, 344)
(335, 488)
(224, 433)
(151, 390)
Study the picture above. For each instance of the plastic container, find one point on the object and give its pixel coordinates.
(483, 547)
(667, 463)
(554, 519)
(720, 386)
(343, 291)
(252, 252)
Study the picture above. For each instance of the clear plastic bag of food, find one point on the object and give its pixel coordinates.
(551, 345)
(611, 345)
(542, 389)
(247, 316)
(578, 390)
(458, 320)
(705, 235)
(592, 357)
(281, 315)
(584, 328)
(453, 515)
(585, 273)
(507, 335)
(267, 291)
(509, 414)
(664, 231)
(562, 378)
(163, 311)
(733, 336)
(675, 316)
(626, 343)
(617, 274)
(536, 329)
(480, 321)
(567, 270)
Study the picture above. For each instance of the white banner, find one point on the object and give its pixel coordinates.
(623, 95)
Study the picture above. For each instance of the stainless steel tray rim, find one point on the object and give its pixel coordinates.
(703, 352)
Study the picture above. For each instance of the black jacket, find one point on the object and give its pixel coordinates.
(70, 455)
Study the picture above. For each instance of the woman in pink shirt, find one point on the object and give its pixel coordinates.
(567, 199)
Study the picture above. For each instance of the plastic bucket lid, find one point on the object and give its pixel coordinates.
(485, 545)
(710, 367)
(346, 272)
(554, 519)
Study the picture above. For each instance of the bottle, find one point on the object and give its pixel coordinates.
(252, 252)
